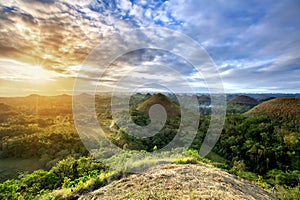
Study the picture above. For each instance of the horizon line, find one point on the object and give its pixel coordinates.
(198, 93)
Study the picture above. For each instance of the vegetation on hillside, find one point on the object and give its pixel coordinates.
(74, 174)
(261, 146)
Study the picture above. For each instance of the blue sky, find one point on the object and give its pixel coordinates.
(254, 44)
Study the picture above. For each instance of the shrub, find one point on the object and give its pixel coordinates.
(239, 166)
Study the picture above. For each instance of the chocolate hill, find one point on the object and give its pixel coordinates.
(242, 99)
(203, 99)
(171, 108)
(287, 108)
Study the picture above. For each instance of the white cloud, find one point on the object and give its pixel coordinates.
(11, 70)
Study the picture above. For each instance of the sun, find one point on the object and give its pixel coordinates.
(39, 74)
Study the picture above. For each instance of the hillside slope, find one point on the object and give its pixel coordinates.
(180, 182)
(242, 99)
(287, 108)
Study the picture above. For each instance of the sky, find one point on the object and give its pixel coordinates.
(254, 44)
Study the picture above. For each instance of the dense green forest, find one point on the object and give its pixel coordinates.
(257, 147)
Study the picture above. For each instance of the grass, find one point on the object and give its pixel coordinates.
(176, 181)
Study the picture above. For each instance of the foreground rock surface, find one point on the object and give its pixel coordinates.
(180, 182)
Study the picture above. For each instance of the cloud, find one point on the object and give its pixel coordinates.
(257, 41)
(11, 70)
(56, 35)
